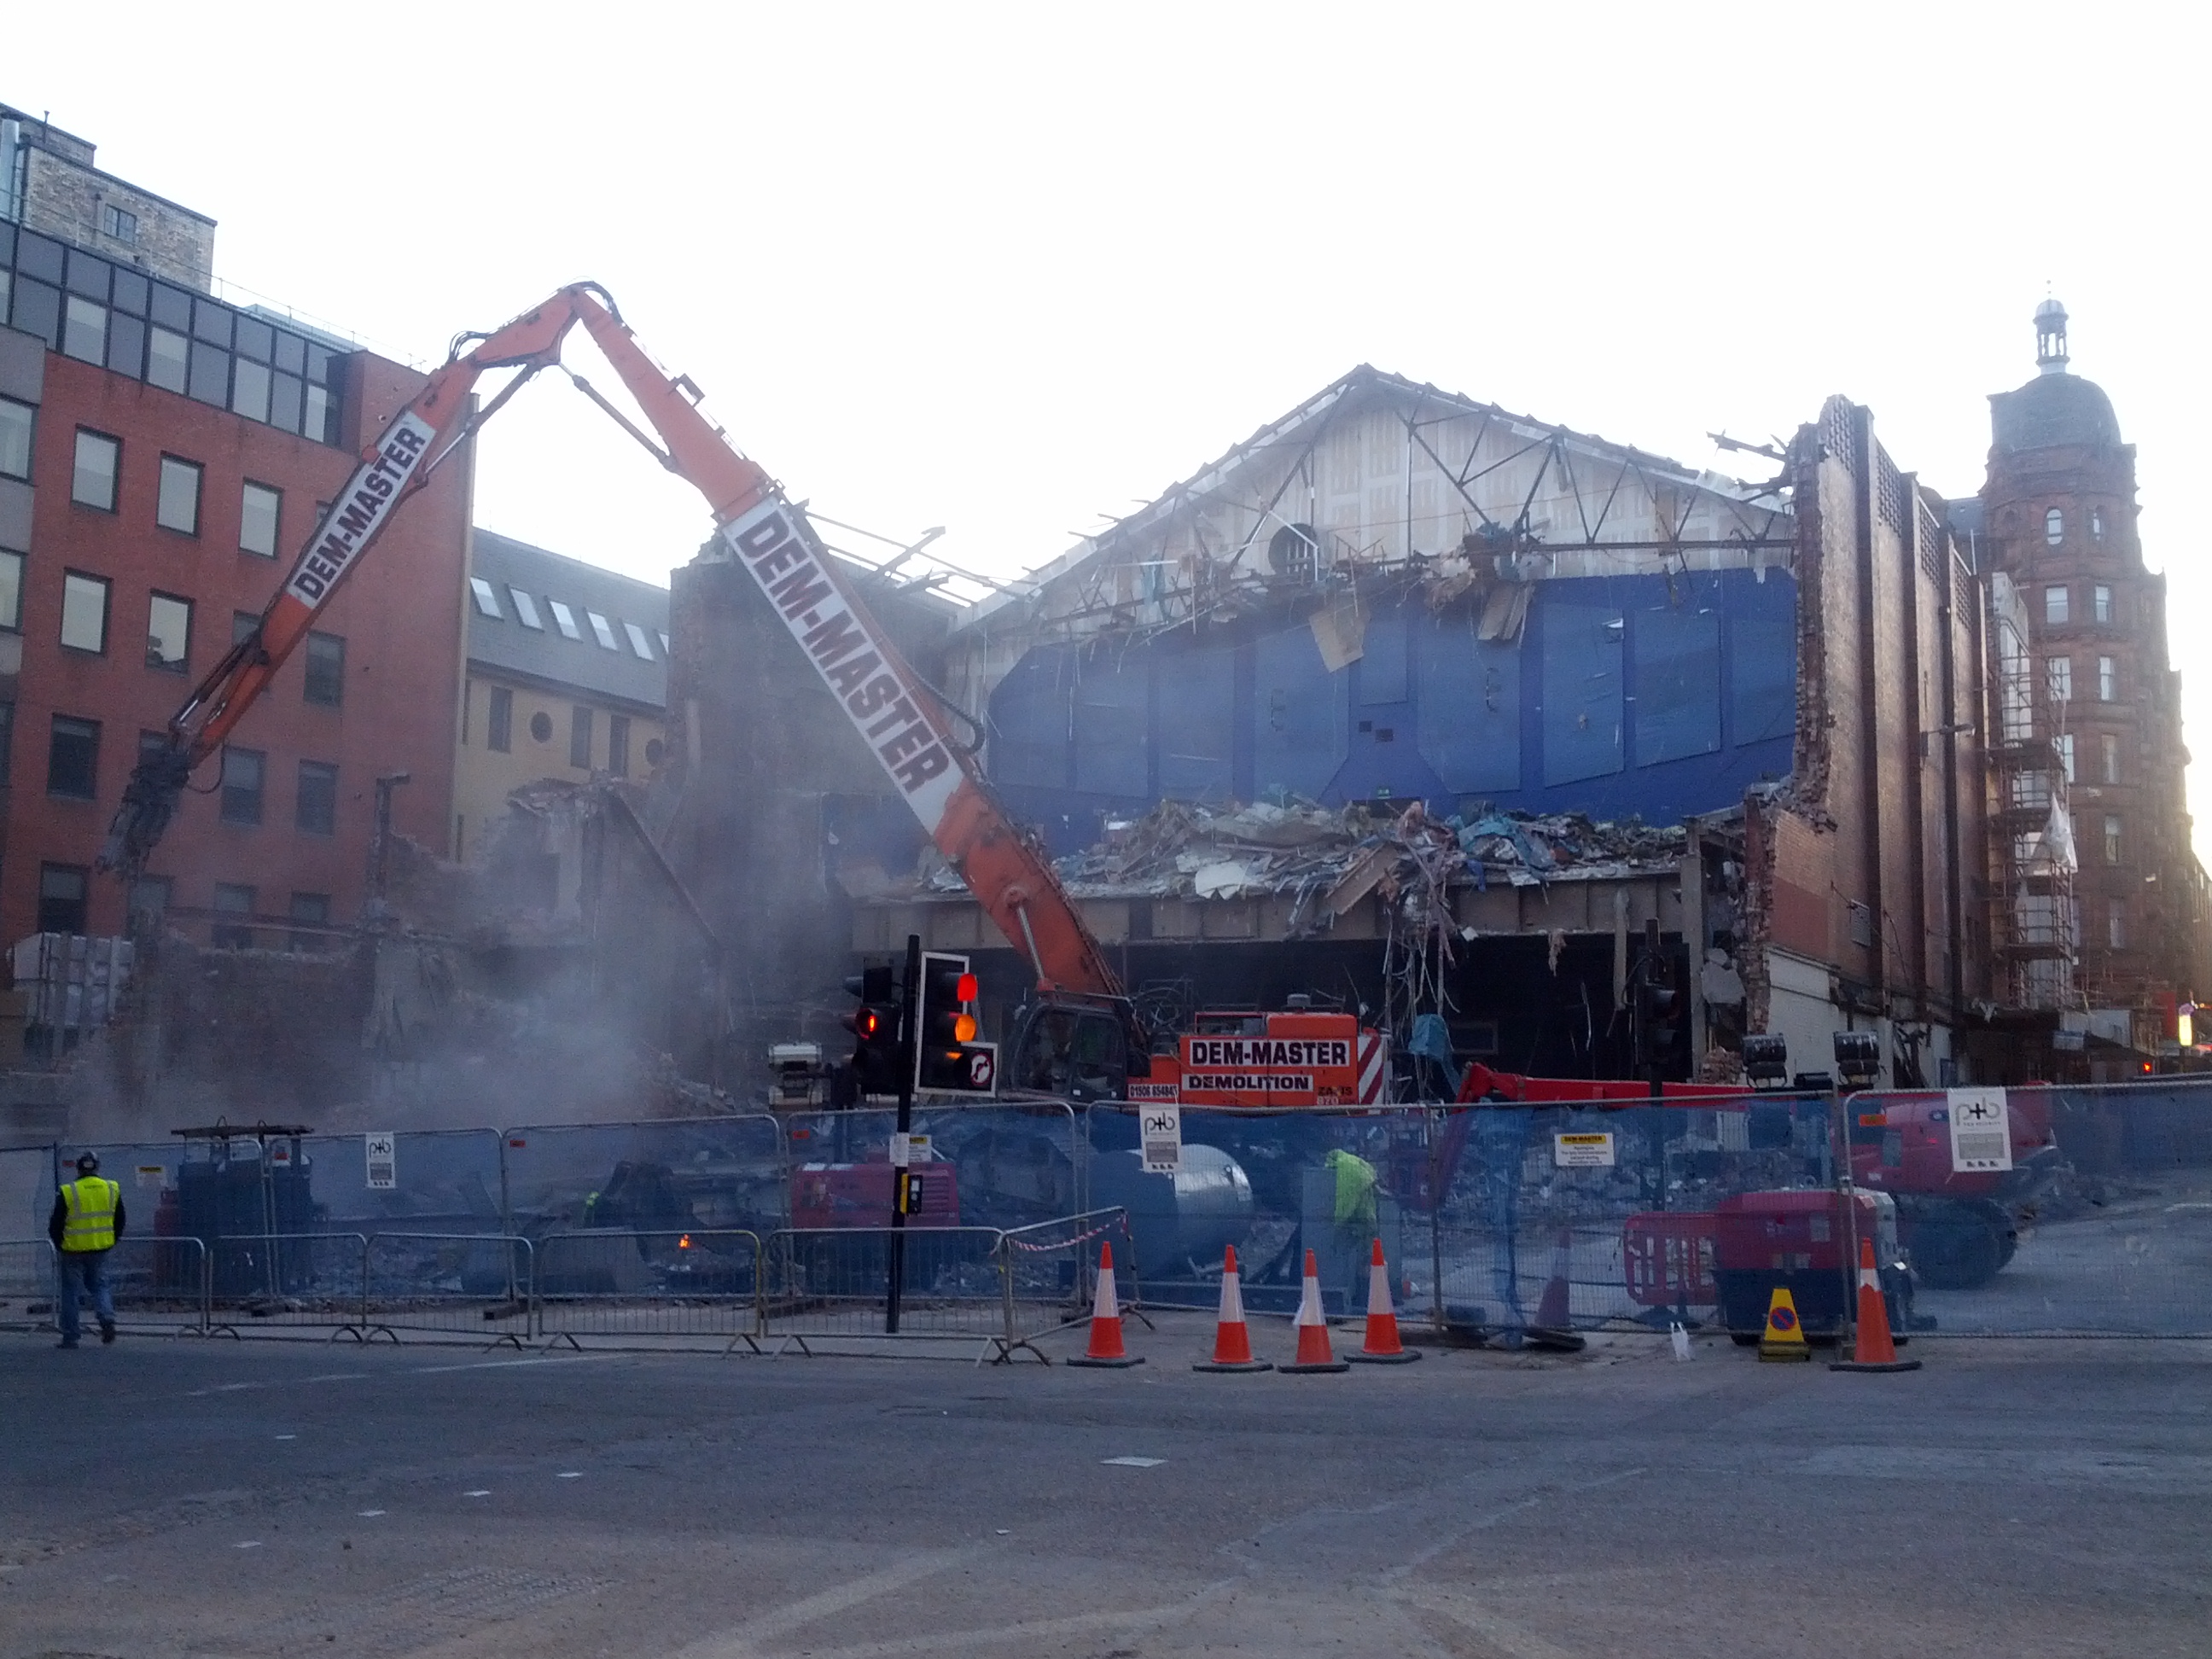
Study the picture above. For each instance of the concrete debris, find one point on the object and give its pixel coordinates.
(1333, 858)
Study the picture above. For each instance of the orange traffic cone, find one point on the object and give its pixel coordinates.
(1554, 1325)
(1105, 1351)
(1875, 1351)
(1314, 1352)
(1232, 1341)
(1382, 1346)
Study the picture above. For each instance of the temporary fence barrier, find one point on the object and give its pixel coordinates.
(28, 1278)
(26, 1188)
(276, 1281)
(834, 1281)
(161, 1285)
(481, 1286)
(433, 1180)
(711, 1174)
(1049, 1272)
(649, 1288)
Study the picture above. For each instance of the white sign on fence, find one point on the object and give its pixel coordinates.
(1583, 1152)
(1981, 1131)
(383, 1160)
(1160, 1127)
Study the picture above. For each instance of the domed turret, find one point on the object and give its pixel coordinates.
(2056, 410)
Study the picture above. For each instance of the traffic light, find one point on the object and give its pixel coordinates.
(946, 1055)
(1658, 1008)
(874, 1026)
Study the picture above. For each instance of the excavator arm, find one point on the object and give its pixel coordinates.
(889, 706)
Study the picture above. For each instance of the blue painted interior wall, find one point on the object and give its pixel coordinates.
(1627, 695)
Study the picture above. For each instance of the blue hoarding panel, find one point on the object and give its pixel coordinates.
(1298, 715)
(1195, 725)
(1678, 674)
(1111, 715)
(1763, 659)
(1469, 693)
(1582, 649)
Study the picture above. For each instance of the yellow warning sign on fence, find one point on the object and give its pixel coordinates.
(1785, 1337)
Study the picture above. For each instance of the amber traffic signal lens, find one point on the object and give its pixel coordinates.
(963, 1027)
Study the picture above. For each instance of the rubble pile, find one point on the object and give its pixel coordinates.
(1340, 854)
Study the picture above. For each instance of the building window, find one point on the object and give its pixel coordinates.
(2101, 603)
(168, 632)
(637, 640)
(618, 744)
(11, 591)
(242, 773)
(487, 601)
(6, 739)
(606, 634)
(654, 749)
(169, 355)
(2096, 524)
(2108, 679)
(2110, 742)
(18, 424)
(232, 899)
(565, 620)
(120, 224)
(2058, 678)
(2112, 838)
(178, 507)
(2054, 527)
(259, 507)
(579, 737)
(525, 609)
(84, 611)
(326, 670)
(84, 330)
(99, 461)
(2055, 608)
(63, 890)
(2116, 923)
(541, 727)
(500, 734)
(664, 645)
(2065, 744)
(149, 902)
(315, 808)
(73, 758)
(313, 908)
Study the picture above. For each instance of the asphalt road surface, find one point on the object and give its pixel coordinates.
(166, 1497)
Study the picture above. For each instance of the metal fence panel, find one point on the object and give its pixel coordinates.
(459, 1285)
(707, 1174)
(271, 1281)
(656, 1289)
(161, 1285)
(834, 1281)
(441, 1180)
(26, 1189)
(28, 1279)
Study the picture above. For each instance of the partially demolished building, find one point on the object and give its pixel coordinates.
(1493, 693)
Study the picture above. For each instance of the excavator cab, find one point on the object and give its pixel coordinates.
(1076, 1048)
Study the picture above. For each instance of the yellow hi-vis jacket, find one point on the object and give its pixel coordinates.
(91, 1224)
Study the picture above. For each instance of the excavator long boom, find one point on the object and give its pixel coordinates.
(889, 706)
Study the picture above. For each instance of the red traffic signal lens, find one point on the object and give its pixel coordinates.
(867, 1022)
(963, 1027)
(966, 991)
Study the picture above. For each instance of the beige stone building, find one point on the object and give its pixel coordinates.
(566, 678)
(48, 183)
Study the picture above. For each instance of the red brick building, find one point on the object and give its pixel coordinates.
(163, 456)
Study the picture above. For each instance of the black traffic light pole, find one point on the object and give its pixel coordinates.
(909, 990)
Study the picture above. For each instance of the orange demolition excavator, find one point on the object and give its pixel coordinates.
(1080, 1036)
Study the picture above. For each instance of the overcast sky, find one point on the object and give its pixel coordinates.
(1012, 271)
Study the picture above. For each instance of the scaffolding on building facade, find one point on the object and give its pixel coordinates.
(2034, 930)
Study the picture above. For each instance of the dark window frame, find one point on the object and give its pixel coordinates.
(30, 442)
(330, 678)
(245, 488)
(181, 464)
(183, 664)
(499, 721)
(11, 613)
(114, 477)
(83, 901)
(106, 586)
(580, 736)
(324, 775)
(235, 796)
(90, 736)
(618, 745)
(230, 936)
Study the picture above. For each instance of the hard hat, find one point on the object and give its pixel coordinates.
(86, 1163)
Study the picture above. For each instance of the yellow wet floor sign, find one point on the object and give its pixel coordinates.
(1785, 1337)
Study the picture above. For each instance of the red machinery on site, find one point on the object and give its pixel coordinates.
(1957, 1229)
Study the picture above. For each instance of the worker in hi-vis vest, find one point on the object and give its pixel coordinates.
(87, 1220)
